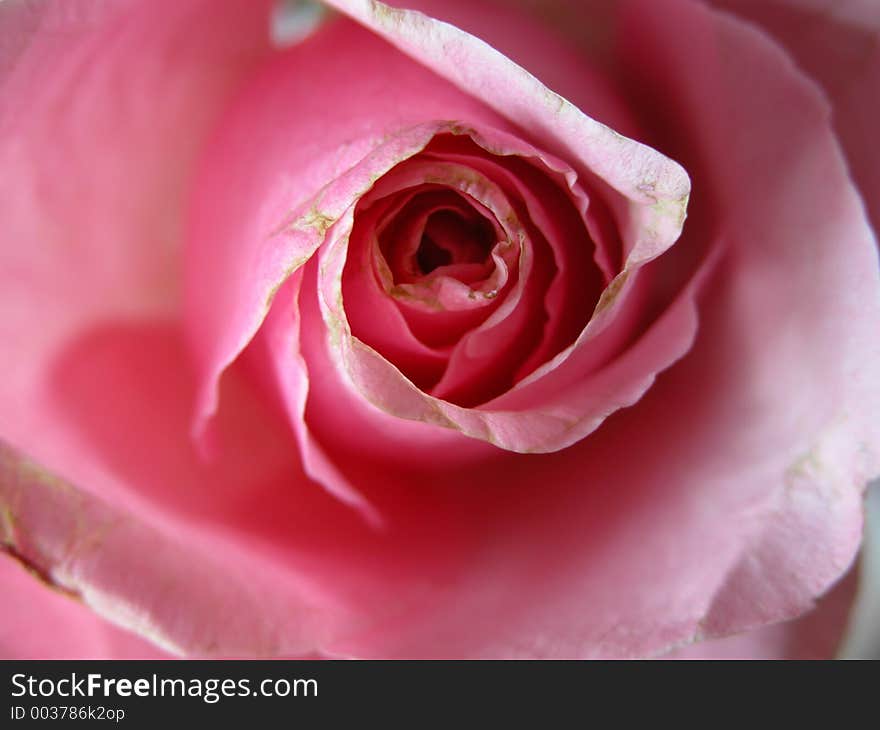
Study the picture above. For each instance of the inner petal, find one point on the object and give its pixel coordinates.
(462, 227)
(436, 232)
(432, 255)
(450, 239)
(489, 261)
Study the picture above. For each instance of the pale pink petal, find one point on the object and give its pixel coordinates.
(800, 303)
(818, 634)
(796, 299)
(730, 495)
(624, 547)
(40, 621)
(194, 558)
(647, 190)
(104, 106)
(837, 42)
(549, 55)
(258, 217)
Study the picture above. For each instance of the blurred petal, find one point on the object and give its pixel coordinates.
(39, 621)
(815, 635)
(797, 303)
(103, 108)
(836, 42)
(186, 554)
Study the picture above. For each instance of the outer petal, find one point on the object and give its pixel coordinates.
(838, 44)
(256, 223)
(654, 189)
(204, 560)
(103, 107)
(613, 571)
(796, 234)
(801, 287)
(818, 634)
(37, 622)
(548, 55)
(745, 503)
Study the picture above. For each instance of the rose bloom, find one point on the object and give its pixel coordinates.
(483, 329)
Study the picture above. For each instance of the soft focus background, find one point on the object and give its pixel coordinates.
(863, 640)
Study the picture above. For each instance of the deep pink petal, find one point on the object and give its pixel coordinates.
(245, 244)
(566, 401)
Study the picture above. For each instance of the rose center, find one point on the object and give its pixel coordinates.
(468, 270)
(449, 239)
(438, 234)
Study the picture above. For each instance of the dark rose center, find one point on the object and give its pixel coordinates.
(468, 270)
(450, 239)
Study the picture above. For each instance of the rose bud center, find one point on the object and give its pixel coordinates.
(478, 268)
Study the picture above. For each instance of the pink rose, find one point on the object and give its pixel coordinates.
(395, 343)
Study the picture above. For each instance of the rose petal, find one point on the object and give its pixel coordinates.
(204, 559)
(41, 622)
(653, 189)
(838, 45)
(604, 570)
(818, 634)
(646, 191)
(104, 108)
(548, 55)
(255, 221)
(731, 494)
(802, 303)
